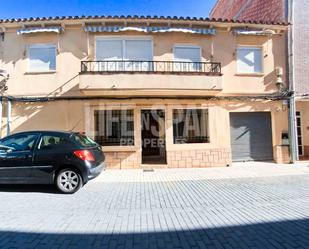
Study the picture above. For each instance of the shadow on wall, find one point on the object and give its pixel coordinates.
(53, 115)
(283, 234)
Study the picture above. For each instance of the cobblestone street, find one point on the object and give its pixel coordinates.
(179, 208)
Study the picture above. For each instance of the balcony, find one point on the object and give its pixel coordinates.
(150, 76)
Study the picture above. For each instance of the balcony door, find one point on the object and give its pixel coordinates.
(124, 54)
(188, 58)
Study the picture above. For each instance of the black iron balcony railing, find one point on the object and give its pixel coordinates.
(170, 67)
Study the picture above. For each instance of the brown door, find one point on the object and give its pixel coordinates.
(153, 137)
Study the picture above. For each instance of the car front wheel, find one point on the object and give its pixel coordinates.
(68, 181)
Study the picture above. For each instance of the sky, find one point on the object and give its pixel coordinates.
(40, 8)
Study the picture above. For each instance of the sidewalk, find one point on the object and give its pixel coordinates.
(237, 170)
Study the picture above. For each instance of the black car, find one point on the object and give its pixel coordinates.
(66, 159)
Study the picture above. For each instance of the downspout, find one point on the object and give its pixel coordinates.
(8, 121)
(292, 102)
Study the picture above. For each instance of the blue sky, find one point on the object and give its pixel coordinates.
(33, 8)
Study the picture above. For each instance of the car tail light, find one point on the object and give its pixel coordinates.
(85, 155)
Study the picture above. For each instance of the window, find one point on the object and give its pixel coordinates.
(249, 60)
(118, 54)
(189, 58)
(48, 142)
(114, 127)
(18, 143)
(84, 141)
(190, 126)
(42, 58)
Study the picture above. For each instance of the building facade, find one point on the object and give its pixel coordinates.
(164, 92)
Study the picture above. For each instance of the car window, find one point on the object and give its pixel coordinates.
(19, 142)
(53, 141)
(84, 141)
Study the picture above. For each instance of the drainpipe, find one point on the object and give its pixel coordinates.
(8, 122)
(292, 102)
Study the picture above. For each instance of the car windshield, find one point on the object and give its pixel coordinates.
(84, 140)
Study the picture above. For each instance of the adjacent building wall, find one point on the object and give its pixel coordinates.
(261, 10)
(301, 47)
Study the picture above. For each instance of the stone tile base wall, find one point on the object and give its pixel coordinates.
(123, 160)
(199, 158)
(175, 159)
(282, 154)
(306, 150)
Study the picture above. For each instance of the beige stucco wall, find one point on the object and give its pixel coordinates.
(74, 45)
(78, 116)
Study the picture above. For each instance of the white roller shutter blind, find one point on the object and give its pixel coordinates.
(138, 50)
(109, 50)
(187, 54)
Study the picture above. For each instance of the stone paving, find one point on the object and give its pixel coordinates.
(183, 208)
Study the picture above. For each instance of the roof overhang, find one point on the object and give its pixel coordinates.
(142, 21)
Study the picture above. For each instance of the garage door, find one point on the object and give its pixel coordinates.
(251, 136)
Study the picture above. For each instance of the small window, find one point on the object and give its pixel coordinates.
(42, 58)
(18, 143)
(249, 60)
(114, 127)
(190, 126)
(48, 142)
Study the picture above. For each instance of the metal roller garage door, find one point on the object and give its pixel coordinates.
(251, 136)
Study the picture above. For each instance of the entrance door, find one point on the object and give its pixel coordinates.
(251, 136)
(153, 137)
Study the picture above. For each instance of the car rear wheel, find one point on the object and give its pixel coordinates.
(68, 181)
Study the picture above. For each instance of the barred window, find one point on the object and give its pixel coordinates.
(190, 126)
(114, 127)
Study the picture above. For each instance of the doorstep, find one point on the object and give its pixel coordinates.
(154, 166)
